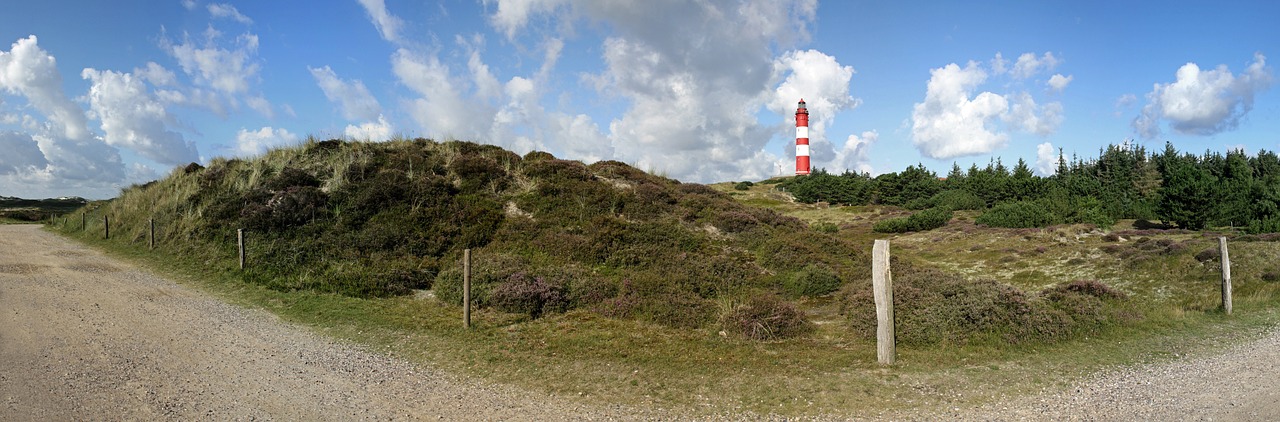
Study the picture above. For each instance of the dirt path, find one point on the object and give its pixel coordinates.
(85, 337)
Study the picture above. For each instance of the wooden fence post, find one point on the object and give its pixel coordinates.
(466, 288)
(882, 285)
(151, 233)
(1226, 275)
(82, 220)
(106, 228)
(240, 243)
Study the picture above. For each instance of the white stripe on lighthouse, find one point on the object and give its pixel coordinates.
(802, 150)
(802, 131)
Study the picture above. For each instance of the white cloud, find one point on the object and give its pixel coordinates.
(29, 71)
(1203, 102)
(441, 109)
(355, 101)
(132, 118)
(189, 4)
(1046, 159)
(226, 11)
(388, 25)
(370, 131)
(948, 123)
(512, 15)
(260, 104)
(855, 155)
(1029, 65)
(1057, 82)
(156, 75)
(227, 70)
(1026, 115)
(999, 65)
(21, 154)
(249, 143)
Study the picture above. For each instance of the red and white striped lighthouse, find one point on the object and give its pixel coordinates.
(802, 139)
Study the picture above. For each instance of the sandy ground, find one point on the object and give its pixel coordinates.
(85, 337)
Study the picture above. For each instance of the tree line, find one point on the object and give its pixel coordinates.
(1125, 182)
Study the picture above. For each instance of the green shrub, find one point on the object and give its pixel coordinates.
(825, 227)
(933, 307)
(529, 295)
(813, 280)
(743, 185)
(488, 270)
(766, 317)
(1018, 215)
(924, 220)
(957, 200)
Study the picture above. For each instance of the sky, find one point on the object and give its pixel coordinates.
(97, 96)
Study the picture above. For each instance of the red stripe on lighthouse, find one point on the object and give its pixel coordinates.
(802, 139)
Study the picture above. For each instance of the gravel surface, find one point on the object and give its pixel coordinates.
(85, 337)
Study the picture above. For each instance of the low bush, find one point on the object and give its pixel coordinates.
(529, 295)
(924, 220)
(813, 280)
(765, 317)
(1017, 215)
(743, 185)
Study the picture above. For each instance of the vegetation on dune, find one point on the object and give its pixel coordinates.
(548, 235)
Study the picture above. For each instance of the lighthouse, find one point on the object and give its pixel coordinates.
(802, 139)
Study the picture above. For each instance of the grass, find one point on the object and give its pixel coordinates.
(698, 370)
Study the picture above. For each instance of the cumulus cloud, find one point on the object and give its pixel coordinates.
(21, 153)
(949, 123)
(226, 11)
(29, 71)
(1203, 102)
(378, 130)
(1029, 65)
(1046, 159)
(855, 155)
(388, 25)
(953, 121)
(1057, 82)
(354, 100)
(227, 70)
(1026, 115)
(133, 118)
(249, 143)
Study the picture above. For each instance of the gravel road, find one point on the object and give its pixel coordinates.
(86, 337)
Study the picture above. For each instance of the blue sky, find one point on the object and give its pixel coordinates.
(95, 96)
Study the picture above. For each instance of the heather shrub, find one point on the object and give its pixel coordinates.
(648, 297)
(813, 280)
(1209, 254)
(1017, 215)
(765, 317)
(734, 221)
(924, 220)
(488, 270)
(826, 227)
(529, 295)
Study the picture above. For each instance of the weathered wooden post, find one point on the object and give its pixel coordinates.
(882, 285)
(151, 233)
(106, 228)
(240, 243)
(466, 288)
(1226, 275)
(82, 220)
